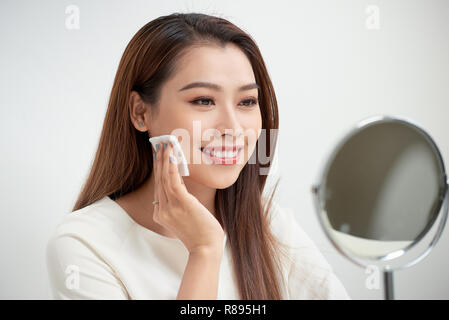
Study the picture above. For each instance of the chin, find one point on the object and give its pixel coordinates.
(222, 184)
(216, 178)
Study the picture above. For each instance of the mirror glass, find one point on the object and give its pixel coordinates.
(382, 188)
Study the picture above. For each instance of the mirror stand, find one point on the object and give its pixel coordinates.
(388, 284)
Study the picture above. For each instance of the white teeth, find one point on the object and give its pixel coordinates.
(222, 154)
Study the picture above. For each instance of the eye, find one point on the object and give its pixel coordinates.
(201, 99)
(248, 102)
(251, 102)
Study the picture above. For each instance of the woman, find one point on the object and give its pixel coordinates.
(141, 231)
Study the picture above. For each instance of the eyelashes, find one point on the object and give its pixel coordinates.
(252, 102)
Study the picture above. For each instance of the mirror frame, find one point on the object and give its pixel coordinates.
(441, 208)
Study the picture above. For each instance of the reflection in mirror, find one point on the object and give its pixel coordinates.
(382, 189)
(367, 248)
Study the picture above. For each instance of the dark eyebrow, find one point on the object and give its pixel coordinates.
(217, 87)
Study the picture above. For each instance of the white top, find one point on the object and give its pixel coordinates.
(100, 252)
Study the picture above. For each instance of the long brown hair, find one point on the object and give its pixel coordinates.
(123, 161)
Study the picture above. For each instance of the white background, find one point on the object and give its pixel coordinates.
(328, 68)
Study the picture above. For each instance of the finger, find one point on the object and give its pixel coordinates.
(161, 196)
(171, 171)
(165, 168)
(162, 178)
(156, 184)
(155, 168)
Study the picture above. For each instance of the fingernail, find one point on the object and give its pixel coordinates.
(154, 156)
(165, 146)
(170, 158)
(157, 147)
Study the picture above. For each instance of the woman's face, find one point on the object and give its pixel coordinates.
(223, 115)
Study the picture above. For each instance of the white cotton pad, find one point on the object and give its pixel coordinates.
(177, 151)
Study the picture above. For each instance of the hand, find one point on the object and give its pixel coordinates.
(181, 212)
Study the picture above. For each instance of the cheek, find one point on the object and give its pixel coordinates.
(254, 126)
(182, 125)
(253, 121)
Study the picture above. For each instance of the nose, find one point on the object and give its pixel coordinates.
(229, 121)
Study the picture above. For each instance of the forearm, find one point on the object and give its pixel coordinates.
(200, 279)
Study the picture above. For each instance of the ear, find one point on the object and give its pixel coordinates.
(137, 112)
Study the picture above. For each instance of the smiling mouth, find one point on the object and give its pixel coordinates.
(223, 156)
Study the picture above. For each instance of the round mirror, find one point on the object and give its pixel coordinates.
(381, 190)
